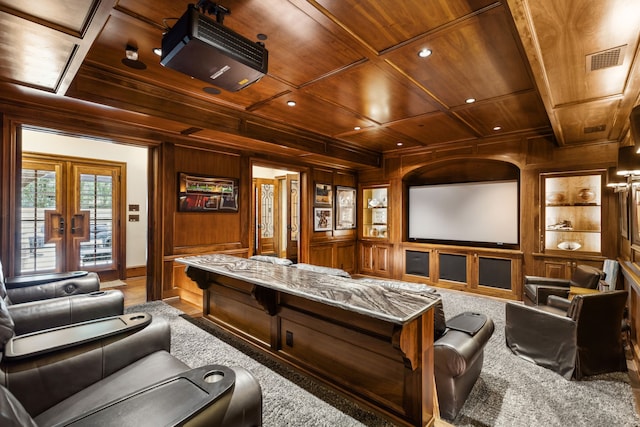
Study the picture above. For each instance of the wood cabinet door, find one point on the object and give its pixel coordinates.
(366, 258)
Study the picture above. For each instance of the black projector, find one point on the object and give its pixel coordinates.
(206, 50)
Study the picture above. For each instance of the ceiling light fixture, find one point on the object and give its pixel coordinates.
(399, 144)
(497, 128)
(131, 58)
(291, 103)
(470, 100)
(357, 128)
(423, 53)
(131, 52)
(157, 51)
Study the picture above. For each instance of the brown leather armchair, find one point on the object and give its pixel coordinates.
(586, 340)
(538, 288)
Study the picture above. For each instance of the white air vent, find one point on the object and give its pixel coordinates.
(606, 58)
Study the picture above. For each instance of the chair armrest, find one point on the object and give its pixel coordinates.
(558, 302)
(45, 314)
(197, 388)
(55, 339)
(544, 338)
(40, 382)
(25, 291)
(548, 281)
(544, 292)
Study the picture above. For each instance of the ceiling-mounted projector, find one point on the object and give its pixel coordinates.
(206, 50)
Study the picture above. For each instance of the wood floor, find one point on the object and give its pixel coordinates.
(135, 293)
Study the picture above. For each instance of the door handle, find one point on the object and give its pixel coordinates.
(61, 226)
(73, 225)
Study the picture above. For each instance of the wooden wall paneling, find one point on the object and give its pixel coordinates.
(345, 256)
(321, 254)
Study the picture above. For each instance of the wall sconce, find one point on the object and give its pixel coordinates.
(616, 182)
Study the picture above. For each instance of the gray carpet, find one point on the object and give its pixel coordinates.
(510, 391)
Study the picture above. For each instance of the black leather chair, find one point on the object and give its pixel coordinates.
(583, 340)
(538, 288)
(116, 371)
(458, 349)
(36, 315)
(458, 353)
(45, 286)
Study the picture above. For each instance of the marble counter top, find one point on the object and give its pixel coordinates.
(378, 299)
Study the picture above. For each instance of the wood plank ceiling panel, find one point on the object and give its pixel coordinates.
(383, 25)
(433, 128)
(476, 58)
(42, 57)
(376, 91)
(569, 31)
(70, 15)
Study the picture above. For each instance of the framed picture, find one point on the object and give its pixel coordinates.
(322, 219)
(197, 193)
(624, 213)
(324, 195)
(345, 208)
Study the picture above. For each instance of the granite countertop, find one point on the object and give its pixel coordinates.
(383, 300)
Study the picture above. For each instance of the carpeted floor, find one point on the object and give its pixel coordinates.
(510, 391)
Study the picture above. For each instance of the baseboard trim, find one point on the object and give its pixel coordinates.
(136, 271)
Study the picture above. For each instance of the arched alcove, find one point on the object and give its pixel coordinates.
(462, 170)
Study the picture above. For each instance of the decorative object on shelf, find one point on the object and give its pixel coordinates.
(562, 225)
(585, 195)
(569, 246)
(323, 195)
(345, 208)
(379, 216)
(197, 193)
(373, 203)
(322, 219)
(556, 197)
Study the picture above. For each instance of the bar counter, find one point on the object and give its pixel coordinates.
(371, 340)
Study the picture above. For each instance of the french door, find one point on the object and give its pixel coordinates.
(69, 215)
(265, 196)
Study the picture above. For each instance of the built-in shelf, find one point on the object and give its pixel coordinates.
(572, 215)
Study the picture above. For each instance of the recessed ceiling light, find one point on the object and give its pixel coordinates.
(399, 144)
(357, 128)
(291, 103)
(470, 100)
(497, 128)
(424, 53)
(157, 51)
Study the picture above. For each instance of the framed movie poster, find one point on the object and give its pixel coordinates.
(345, 208)
(323, 195)
(624, 213)
(197, 193)
(322, 219)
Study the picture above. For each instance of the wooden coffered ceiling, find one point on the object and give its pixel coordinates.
(568, 68)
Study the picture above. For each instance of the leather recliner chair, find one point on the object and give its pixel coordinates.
(584, 340)
(116, 370)
(31, 316)
(458, 349)
(458, 354)
(45, 286)
(538, 288)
